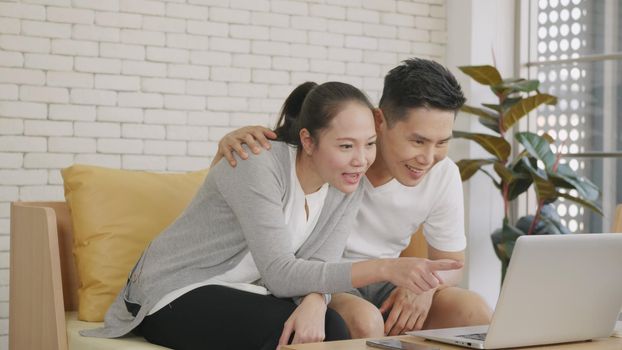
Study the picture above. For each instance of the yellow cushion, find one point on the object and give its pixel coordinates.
(115, 213)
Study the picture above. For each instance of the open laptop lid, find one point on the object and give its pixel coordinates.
(559, 288)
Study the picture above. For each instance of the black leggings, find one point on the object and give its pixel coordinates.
(218, 317)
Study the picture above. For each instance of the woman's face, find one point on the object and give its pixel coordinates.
(346, 148)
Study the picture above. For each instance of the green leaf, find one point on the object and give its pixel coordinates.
(494, 126)
(504, 173)
(548, 138)
(523, 85)
(489, 115)
(545, 189)
(495, 145)
(553, 224)
(508, 175)
(509, 236)
(590, 190)
(538, 147)
(519, 157)
(492, 106)
(523, 175)
(510, 101)
(584, 202)
(497, 244)
(520, 109)
(468, 167)
(485, 75)
(584, 187)
(487, 118)
(510, 86)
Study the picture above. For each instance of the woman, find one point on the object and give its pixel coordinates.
(225, 272)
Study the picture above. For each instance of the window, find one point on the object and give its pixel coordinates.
(573, 48)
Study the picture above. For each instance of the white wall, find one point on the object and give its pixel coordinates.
(476, 29)
(153, 85)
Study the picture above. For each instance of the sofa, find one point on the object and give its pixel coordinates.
(44, 283)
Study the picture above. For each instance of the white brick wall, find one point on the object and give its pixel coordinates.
(153, 84)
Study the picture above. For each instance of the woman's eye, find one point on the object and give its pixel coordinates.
(345, 146)
(372, 143)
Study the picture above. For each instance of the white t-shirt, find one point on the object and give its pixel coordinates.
(392, 212)
(244, 274)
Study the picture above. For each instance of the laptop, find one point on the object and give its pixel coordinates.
(558, 288)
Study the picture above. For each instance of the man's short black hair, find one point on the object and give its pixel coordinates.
(417, 83)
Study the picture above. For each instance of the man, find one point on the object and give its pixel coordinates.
(413, 183)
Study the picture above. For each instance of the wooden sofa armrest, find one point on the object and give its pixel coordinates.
(37, 308)
(617, 220)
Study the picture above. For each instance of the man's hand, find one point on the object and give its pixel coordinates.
(254, 136)
(306, 322)
(408, 310)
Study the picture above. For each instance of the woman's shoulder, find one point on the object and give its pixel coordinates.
(274, 162)
(277, 156)
(279, 150)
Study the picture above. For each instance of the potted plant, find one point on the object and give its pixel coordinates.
(517, 170)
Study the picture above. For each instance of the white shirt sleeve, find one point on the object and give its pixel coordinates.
(444, 226)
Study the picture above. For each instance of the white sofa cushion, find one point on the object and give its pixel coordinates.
(77, 342)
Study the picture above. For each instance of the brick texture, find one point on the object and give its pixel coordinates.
(154, 84)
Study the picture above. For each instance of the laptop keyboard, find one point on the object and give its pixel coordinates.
(476, 336)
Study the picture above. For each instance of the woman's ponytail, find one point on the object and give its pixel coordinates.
(287, 127)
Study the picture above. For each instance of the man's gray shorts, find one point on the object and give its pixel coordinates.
(375, 293)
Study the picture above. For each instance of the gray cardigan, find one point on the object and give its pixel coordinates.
(234, 211)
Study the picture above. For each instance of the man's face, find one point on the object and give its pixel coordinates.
(411, 147)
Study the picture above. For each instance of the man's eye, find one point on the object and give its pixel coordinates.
(345, 146)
